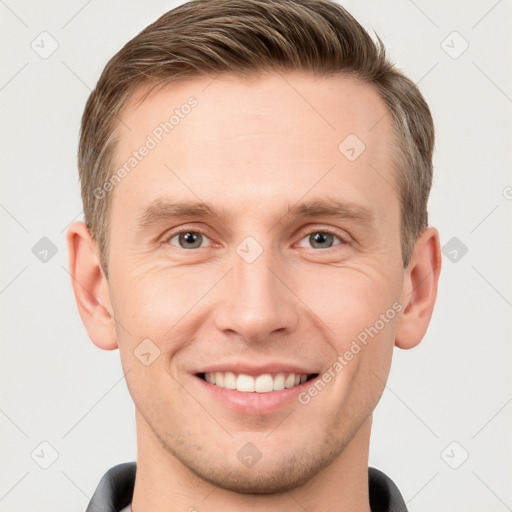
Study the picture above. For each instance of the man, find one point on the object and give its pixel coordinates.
(275, 140)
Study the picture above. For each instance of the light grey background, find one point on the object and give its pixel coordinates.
(57, 387)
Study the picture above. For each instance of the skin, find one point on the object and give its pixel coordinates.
(250, 147)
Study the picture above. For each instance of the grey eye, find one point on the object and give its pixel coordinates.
(188, 239)
(320, 239)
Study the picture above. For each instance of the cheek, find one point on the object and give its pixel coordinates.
(360, 309)
(154, 301)
(350, 299)
(157, 395)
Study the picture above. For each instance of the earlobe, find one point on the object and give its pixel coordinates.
(90, 287)
(419, 289)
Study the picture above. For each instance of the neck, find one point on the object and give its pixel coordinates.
(162, 482)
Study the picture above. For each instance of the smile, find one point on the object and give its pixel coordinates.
(264, 383)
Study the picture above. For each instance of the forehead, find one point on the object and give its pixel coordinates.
(248, 140)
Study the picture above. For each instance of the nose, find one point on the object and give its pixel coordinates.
(257, 301)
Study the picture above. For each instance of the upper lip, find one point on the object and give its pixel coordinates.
(260, 369)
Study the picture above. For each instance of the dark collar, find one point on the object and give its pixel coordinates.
(115, 491)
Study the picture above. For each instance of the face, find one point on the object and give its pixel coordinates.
(253, 246)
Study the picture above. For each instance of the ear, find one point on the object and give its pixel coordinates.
(90, 287)
(420, 289)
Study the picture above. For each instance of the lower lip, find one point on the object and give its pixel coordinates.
(252, 403)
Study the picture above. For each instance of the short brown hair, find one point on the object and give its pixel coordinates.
(247, 37)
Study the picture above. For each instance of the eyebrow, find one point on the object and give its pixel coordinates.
(162, 209)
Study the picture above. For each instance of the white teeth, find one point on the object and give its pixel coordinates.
(279, 382)
(290, 381)
(264, 383)
(219, 379)
(229, 380)
(245, 383)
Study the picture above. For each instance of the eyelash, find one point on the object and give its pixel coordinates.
(343, 241)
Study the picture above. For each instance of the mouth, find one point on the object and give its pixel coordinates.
(262, 383)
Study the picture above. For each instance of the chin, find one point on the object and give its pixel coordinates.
(262, 481)
(280, 473)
